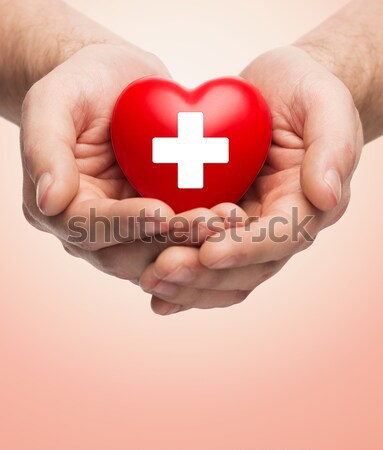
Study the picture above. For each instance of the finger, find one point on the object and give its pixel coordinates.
(193, 227)
(129, 260)
(231, 214)
(188, 298)
(92, 223)
(126, 261)
(48, 137)
(97, 223)
(272, 238)
(164, 308)
(333, 138)
(181, 266)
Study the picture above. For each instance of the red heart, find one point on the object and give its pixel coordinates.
(232, 108)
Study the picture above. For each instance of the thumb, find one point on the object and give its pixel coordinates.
(333, 138)
(48, 137)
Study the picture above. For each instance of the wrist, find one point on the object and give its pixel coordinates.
(362, 80)
(349, 45)
(34, 39)
(359, 80)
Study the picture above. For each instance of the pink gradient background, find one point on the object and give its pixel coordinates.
(85, 364)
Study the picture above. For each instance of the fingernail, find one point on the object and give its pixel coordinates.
(181, 275)
(165, 289)
(333, 181)
(43, 184)
(224, 263)
(173, 309)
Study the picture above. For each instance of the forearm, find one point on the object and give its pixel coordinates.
(36, 36)
(350, 44)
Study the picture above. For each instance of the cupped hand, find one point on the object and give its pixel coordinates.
(303, 188)
(69, 166)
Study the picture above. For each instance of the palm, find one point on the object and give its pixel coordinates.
(289, 94)
(100, 174)
(277, 187)
(97, 86)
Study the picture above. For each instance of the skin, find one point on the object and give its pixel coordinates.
(84, 68)
(326, 98)
(294, 175)
(316, 145)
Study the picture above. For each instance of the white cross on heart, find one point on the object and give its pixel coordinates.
(190, 150)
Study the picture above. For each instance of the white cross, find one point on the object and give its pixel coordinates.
(190, 150)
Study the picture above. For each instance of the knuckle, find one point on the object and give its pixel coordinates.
(271, 269)
(86, 245)
(303, 243)
(28, 100)
(214, 278)
(189, 299)
(116, 272)
(130, 271)
(242, 252)
(27, 214)
(121, 275)
(31, 219)
(156, 64)
(109, 265)
(239, 296)
(346, 197)
(349, 151)
(262, 276)
(33, 95)
(70, 249)
(331, 219)
(28, 151)
(79, 236)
